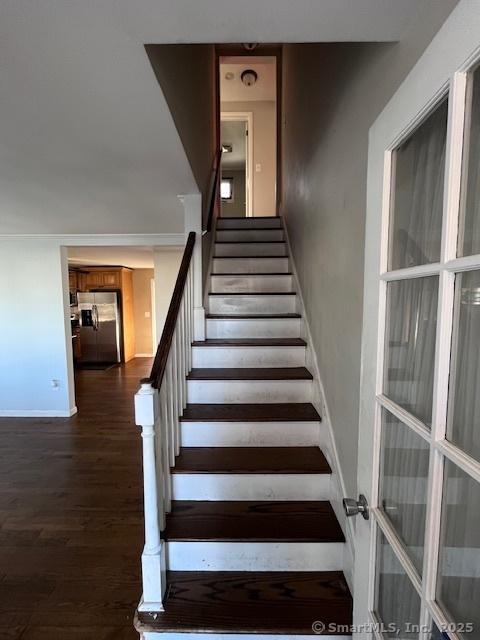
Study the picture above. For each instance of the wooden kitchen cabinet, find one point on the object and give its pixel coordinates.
(111, 278)
(93, 280)
(72, 280)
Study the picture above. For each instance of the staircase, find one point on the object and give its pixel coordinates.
(253, 544)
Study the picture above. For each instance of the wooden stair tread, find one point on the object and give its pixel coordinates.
(286, 412)
(252, 602)
(255, 316)
(254, 274)
(252, 293)
(250, 242)
(264, 460)
(222, 218)
(253, 521)
(250, 373)
(247, 228)
(244, 257)
(250, 342)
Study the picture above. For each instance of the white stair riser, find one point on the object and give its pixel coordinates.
(252, 235)
(251, 284)
(249, 434)
(254, 328)
(205, 357)
(249, 223)
(251, 486)
(254, 556)
(251, 304)
(251, 249)
(250, 265)
(248, 391)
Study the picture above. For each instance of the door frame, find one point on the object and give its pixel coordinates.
(244, 116)
(441, 69)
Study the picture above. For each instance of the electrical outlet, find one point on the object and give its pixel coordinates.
(258, 167)
(55, 385)
(147, 314)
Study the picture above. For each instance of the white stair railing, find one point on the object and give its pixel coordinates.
(159, 403)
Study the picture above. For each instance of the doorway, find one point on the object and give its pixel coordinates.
(419, 553)
(248, 135)
(236, 130)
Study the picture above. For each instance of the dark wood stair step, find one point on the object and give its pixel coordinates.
(244, 257)
(221, 218)
(283, 412)
(264, 460)
(254, 274)
(250, 342)
(267, 602)
(252, 521)
(249, 228)
(249, 242)
(255, 316)
(251, 373)
(227, 294)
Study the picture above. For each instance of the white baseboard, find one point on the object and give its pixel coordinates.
(143, 355)
(37, 413)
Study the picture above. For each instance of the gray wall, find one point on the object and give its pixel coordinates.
(186, 74)
(332, 93)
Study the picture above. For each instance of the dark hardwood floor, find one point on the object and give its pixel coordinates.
(71, 515)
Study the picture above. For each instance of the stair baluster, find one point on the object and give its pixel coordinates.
(158, 404)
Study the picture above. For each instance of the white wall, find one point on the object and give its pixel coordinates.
(142, 304)
(166, 264)
(34, 329)
(264, 153)
(331, 95)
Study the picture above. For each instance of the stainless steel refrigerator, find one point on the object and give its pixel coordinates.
(100, 326)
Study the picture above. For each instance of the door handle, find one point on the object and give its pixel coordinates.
(95, 317)
(353, 507)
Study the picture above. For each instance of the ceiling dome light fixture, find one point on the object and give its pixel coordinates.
(250, 46)
(249, 77)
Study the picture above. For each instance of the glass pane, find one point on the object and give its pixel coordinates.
(417, 194)
(458, 586)
(464, 403)
(397, 603)
(469, 231)
(436, 634)
(403, 483)
(410, 344)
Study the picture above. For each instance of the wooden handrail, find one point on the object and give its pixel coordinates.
(214, 188)
(163, 349)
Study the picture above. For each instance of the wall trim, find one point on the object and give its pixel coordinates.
(327, 442)
(37, 413)
(107, 239)
(143, 355)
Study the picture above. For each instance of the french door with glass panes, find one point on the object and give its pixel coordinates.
(417, 567)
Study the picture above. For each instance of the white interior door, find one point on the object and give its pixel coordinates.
(417, 559)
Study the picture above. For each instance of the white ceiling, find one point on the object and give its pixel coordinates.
(233, 89)
(133, 257)
(87, 144)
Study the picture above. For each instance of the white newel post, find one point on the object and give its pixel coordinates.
(192, 205)
(153, 556)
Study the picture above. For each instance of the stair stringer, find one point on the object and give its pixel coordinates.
(327, 437)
